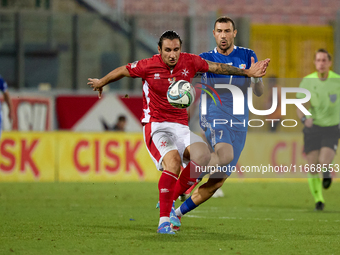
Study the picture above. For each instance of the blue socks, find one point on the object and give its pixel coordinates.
(187, 206)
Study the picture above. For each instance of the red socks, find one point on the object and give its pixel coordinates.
(166, 187)
(191, 188)
(186, 180)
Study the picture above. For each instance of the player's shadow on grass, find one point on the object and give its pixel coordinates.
(148, 233)
(193, 234)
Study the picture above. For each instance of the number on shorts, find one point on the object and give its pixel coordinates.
(221, 131)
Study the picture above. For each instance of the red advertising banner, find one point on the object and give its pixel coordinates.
(30, 113)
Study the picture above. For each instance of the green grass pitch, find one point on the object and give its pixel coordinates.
(120, 218)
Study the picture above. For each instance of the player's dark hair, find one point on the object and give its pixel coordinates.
(323, 51)
(171, 35)
(121, 118)
(225, 19)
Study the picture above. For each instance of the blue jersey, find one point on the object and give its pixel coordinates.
(3, 85)
(240, 57)
(3, 88)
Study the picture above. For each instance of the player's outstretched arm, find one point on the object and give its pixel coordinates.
(115, 75)
(8, 100)
(256, 69)
(257, 86)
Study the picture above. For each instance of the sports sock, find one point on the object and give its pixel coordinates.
(191, 188)
(315, 186)
(166, 186)
(185, 180)
(163, 219)
(186, 207)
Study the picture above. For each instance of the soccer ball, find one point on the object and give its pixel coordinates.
(181, 94)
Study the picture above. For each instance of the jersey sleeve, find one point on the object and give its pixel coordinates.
(137, 68)
(201, 65)
(3, 85)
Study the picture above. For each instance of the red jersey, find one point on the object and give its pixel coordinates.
(157, 77)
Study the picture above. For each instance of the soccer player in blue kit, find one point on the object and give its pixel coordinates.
(7, 99)
(227, 139)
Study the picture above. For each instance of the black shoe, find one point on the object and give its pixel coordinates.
(319, 206)
(327, 179)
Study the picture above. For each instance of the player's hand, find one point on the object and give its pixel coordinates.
(258, 69)
(10, 115)
(95, 84)
(309, 123)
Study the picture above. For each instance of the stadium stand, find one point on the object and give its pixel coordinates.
(312, 12)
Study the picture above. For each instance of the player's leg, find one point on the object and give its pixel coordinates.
(223, 155)
(202, 194)
(197, 152)
(225, 152)
(314, 180)
(199, 156)
(312, 145)
(167, 183)
(183, 140)
(213, 158)
(159, 140)
(329, 145)
(326, 157)
(228, 153)
(205, 191)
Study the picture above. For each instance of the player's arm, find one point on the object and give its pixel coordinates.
(257, 69)
(257, 86)
(7, 99)
(308, 122)
(115, 75)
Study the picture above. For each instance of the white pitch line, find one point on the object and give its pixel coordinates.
(254, 210)
(235, 218)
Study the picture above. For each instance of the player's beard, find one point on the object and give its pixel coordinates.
(224, 47)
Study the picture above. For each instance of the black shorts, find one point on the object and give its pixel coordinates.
(317, 137)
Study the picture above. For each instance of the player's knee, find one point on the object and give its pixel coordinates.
(200, 154)
(323, 163)
(202, 158)
(225, 158)
(172, 163)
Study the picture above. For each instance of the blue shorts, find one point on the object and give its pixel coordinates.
(223, 134)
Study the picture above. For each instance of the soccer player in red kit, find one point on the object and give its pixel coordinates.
(165, 128)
